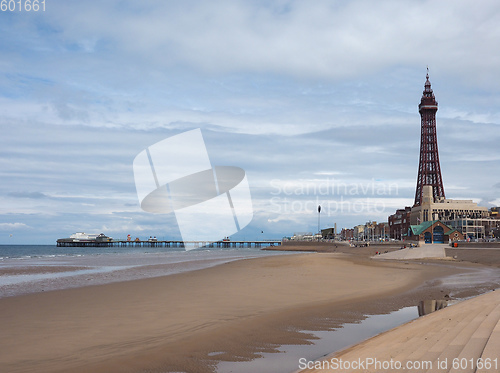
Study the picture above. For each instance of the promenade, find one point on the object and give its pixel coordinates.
(426, 251)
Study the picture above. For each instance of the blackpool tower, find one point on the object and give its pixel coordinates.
(429, 171)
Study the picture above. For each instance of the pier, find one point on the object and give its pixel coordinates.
(64, 242)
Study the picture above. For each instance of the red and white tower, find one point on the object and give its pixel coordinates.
(429, 171)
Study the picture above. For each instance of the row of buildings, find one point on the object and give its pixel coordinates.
(370, 231)
(472, 222)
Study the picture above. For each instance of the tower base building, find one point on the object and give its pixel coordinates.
(464, 215)
(444, 209)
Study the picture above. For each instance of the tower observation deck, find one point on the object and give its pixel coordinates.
(429, 171)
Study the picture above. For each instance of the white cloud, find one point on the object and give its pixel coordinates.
(12, 226)
(324, 38)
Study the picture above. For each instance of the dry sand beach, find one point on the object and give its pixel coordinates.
(190, 321)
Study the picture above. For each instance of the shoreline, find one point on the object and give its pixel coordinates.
(47, 273)
(183, 321)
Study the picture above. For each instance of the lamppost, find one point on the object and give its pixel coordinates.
(319, 214)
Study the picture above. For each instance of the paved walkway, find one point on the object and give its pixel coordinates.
(424, 251)
(463, 338)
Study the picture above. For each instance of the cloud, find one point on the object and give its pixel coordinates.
(326, 39)
(31, 195)
(10, 226)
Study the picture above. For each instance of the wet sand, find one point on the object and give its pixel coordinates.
(190, 321)
(38, 270)
(488, 257)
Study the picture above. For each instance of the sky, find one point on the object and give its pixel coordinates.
(317, 101)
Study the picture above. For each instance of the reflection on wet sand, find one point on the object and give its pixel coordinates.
(428, 306)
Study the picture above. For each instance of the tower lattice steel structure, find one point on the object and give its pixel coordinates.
(429, 171)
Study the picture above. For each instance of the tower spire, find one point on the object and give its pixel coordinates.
(429, 170)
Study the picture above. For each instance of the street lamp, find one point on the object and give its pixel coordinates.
(319, 214)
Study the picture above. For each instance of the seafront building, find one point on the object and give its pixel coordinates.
(399, 223)
(445, 209)
(328, 233)
(347, 234)
(434, 231)
(370, 231)
(495, 212)
(480, 228)
(359, 232)
(302, 236)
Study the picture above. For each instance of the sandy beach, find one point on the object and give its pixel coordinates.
(190, 321)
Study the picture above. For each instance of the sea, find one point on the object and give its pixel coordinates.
(26, 269)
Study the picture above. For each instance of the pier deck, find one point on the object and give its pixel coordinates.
(174, 244)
